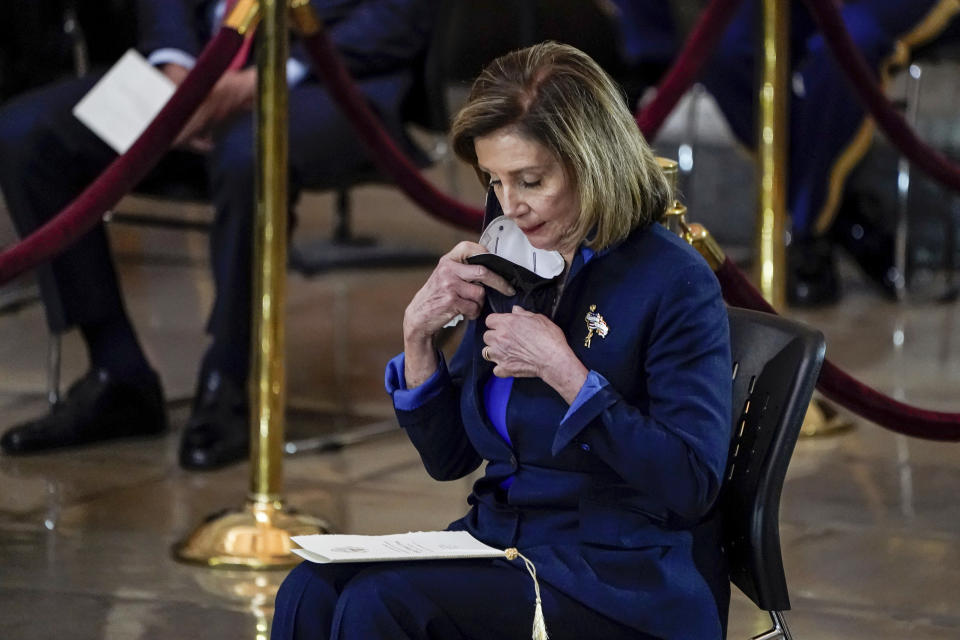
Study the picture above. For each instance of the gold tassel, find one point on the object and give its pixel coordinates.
(539, 624)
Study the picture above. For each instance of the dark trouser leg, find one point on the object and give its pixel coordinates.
(46, 158)
(231, 249)
(448, 600)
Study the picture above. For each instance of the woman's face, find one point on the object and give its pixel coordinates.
(532, 188)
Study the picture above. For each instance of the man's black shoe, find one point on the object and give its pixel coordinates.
(97, 407)
(218, 432)
(811, 273)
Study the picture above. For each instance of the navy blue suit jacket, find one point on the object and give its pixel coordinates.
(609, 501)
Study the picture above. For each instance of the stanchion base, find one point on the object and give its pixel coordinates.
(256, 536)
(822, 419)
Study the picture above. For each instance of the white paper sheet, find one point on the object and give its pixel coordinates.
(417, 545)
(125, 100)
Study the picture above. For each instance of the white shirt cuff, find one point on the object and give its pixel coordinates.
(171, 56)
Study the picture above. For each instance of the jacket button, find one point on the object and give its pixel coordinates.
(585, 446)
(513, 462)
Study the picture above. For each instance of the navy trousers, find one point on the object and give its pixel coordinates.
(448, 600)
(47, 157)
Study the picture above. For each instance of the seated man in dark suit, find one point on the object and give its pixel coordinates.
(47, 157)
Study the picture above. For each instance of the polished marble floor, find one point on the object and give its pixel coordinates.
(870, 520)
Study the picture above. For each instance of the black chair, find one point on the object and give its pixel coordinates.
(776, 363)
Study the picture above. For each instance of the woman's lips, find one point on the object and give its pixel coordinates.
(533, 229)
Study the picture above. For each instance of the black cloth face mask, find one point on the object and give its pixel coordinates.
(536, 281)
(534, 293)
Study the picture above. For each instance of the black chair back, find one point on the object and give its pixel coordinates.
(776, 363)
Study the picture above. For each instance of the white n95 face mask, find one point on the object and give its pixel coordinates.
(504, 238)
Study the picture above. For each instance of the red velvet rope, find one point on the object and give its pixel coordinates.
(127, 170)
(683, 72)
(863, 79)
(843, 388)
(385, 153)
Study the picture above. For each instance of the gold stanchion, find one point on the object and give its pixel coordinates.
(821, 418)
(257, 536)
(671, 169)
(675, 219)
(772, 152)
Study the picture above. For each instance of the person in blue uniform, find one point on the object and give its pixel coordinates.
(601, 416)
(829, 129)
(47, 157)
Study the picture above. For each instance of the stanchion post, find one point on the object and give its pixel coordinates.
(772, 140)
(257, 536)
(267, 373)
(772, 151)
(675, 220)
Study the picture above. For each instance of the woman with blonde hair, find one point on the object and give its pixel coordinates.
(593, 379)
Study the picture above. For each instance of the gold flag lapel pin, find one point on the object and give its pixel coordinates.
(595, 324)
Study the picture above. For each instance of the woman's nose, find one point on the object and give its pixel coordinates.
(511, 203)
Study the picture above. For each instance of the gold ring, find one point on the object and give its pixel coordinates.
(485, 353)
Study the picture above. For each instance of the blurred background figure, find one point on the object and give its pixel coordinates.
(47, 157)
(827, 123)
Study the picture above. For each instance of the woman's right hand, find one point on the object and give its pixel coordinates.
(453, 288)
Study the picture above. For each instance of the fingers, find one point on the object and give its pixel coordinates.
(464, 250)
(494, 281)
(175, 72)
(443, 297)
(467, 308)
(455, 287)
(200, 144)
(477, 273)
(464, 298)
(193, 128)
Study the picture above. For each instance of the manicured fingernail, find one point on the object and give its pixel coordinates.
(511, 291)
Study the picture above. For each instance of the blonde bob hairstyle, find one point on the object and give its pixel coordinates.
(558, 96)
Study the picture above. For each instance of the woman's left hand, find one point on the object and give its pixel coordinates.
(529, 345)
